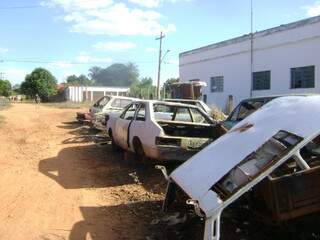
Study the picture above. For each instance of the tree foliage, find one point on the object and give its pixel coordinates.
(168, 86)
(81, 80)
(118, 74)
(143, 88)
(40, 82)
(5, 88)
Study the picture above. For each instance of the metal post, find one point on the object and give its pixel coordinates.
(251, 51)
(159, 64)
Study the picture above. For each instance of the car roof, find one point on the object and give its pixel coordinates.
(294, 114)
(277, 96)
(181, 100)
(121, 97)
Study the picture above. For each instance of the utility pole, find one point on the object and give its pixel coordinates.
(251, 50)
(159, 64)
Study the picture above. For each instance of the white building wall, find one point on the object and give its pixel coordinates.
(278, 52)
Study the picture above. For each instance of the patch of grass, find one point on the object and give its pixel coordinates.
(68, 105)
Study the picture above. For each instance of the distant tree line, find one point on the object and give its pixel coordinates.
(40, 82)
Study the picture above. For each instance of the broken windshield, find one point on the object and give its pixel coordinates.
(256, 163)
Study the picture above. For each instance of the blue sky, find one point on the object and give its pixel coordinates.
(69, 36)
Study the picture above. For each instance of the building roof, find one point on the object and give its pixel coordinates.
(262, 33)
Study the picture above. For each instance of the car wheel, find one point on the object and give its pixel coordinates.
(115, 147)
(138, 149)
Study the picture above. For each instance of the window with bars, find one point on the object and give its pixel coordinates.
(261, 80)
(217, 84)
(302, 77)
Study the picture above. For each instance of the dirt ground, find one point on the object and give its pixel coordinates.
(56, 183)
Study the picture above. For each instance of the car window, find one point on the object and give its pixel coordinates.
(198, 116)
(256, 163)
(124, 102)
(116, 103)
(128, 114)
(141, 114)
(102, 102)
(163, 112)
(248, 107)
(182, 114)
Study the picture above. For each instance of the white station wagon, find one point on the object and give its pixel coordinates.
(279, 139)
(162, 130)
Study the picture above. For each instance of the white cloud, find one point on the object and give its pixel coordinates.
(3, 50)
(75, 5)
(154, 3)
(114, 19)
(150, 49)
(114, 46)
(85, 58)
(313, 10)
(146, 3)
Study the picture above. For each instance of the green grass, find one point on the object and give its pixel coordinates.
(68, 105)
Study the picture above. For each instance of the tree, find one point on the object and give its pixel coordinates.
(40, 82)
(118, 74)
(81, 80)
(5, 88)
(143, 89)
(168, 85)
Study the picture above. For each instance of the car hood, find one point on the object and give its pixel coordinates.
(196, 177)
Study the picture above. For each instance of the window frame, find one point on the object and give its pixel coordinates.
(256, 77)
(217, 90)
(293, 82)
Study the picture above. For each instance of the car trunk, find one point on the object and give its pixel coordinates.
(183, 129)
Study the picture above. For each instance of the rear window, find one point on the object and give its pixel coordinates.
(164, 112)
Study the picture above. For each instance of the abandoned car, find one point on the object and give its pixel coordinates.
(278, 145)
(162, 130)
(104, 105)
(197, 103)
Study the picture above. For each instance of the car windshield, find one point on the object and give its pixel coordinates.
(244, 109)
(102, 102)
(163, 112)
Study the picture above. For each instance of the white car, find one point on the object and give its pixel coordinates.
(162, 130)
(105, 105)
(198, 103)
(279, 139)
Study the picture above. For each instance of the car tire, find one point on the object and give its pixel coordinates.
(138, 149)
(114, 146)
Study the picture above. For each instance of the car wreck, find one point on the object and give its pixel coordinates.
(105, 105)
(163, 130)
(276, 146)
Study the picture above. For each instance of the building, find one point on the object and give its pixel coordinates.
(84, 93)
(285, 60)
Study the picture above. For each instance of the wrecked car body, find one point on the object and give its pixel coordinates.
(103, 106)
(262, 146)
(162, 130)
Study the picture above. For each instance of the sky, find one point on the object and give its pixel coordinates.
(70, 36)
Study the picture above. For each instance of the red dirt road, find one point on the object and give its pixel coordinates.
(55, 185)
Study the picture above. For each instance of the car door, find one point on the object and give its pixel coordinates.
(122, 126)
(138, 126)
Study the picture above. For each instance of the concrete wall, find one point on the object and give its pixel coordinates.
(277, 51)
(82, 93)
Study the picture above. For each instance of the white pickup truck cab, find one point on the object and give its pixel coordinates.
(284, 133)
(162, 130)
